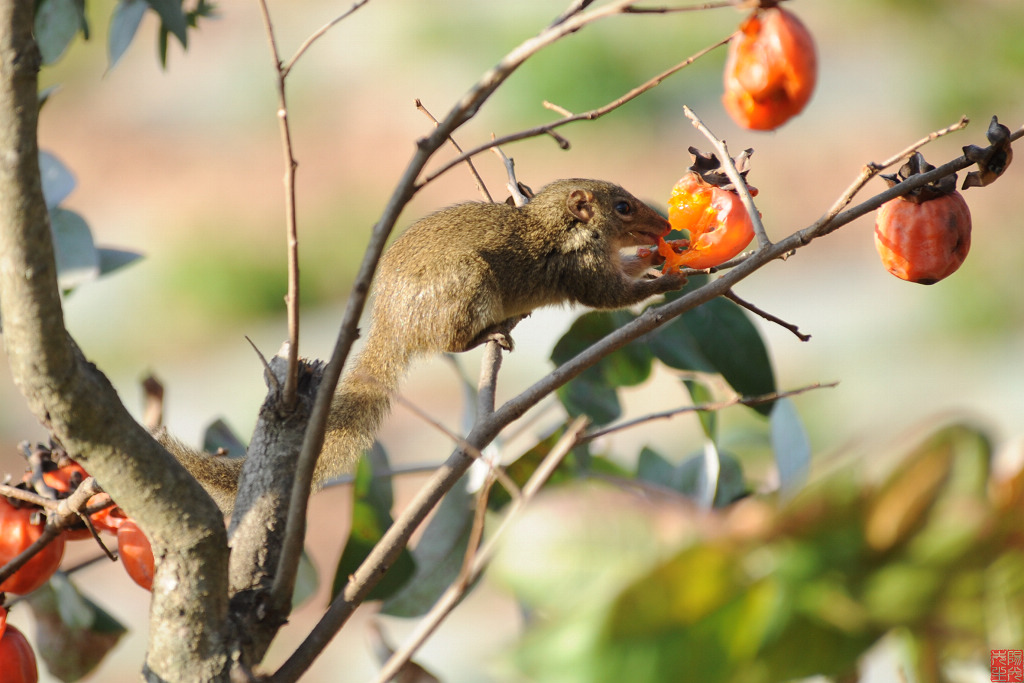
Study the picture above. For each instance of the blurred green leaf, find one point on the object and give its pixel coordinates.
(219, 435)
(58, 181)
(593, 392)
(56, 24)
(372, 500)
(688, 477)
(307, 580)
(172, 20)
(523, 467)
(439, 555)
(717, 337)
(114, 259)
(791, 447)
(73, 634)
(78, 261)
(700, 393)
(124, 23)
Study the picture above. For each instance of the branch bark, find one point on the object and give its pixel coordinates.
(77, 403)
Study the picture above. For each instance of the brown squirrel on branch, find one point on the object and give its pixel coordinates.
(466, 275)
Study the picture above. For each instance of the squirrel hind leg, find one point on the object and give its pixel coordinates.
(499, 332)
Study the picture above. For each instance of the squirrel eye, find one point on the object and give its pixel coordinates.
(623, 208)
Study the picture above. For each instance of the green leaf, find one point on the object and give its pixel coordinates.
(77, 259)
(689, 479)
(718, 337)
(701, 393)
(172, 19)
(372, 500)
(593, 392)
(73, 634)
(113, 259)
(56, 23)
(58, 181)
(651, 466)
(439, 555)
(791, 446)
(124, 23)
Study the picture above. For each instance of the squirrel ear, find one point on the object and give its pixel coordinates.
(581, 204)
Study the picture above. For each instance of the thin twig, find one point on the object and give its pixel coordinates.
(451, 597)
(826, 225)
(732, 296)
(558, 109)
(291, 224)
(871, 169)
(691, 8)
(705, 407)
(497, 471)
(286, 69)
(730, 170)
(548, 128)
(61, 514)
(469, 162)
(518, 198)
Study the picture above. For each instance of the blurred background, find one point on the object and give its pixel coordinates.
(185, 165)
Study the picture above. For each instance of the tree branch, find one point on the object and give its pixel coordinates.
(77, 403)
(291, 224)
(567, 118)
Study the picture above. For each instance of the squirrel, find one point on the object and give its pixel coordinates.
(466, 275)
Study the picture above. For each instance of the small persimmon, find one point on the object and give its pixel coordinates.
(924, 236)
(136, 553)
(770, 71)
(18, 531)
(17, 660)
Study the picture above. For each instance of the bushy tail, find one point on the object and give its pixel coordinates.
(360, 404)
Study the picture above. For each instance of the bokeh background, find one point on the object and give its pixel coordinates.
(185, 165)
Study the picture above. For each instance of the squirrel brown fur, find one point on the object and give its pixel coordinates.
(466, 275)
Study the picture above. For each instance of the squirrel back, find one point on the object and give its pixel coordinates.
(466, 275)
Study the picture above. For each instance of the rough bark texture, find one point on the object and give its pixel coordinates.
(77, 403)
(257, 525)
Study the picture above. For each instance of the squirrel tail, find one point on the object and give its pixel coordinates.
(218, 474)
(360, 404)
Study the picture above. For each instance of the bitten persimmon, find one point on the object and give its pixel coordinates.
(771, 69)
(18, 532)
(136, 553)
(704, 203)
(17, 660)
(925, 235)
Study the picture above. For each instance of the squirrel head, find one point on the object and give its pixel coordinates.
(599, 211)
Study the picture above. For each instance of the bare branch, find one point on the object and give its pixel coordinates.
(495, 470)
(732, 296)
(73, 399)
(286, 69)
(518, 198)
(291, 223)
(451, 597)
(469, 162)
(872, 169)
(705, 408)
(548, 128)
